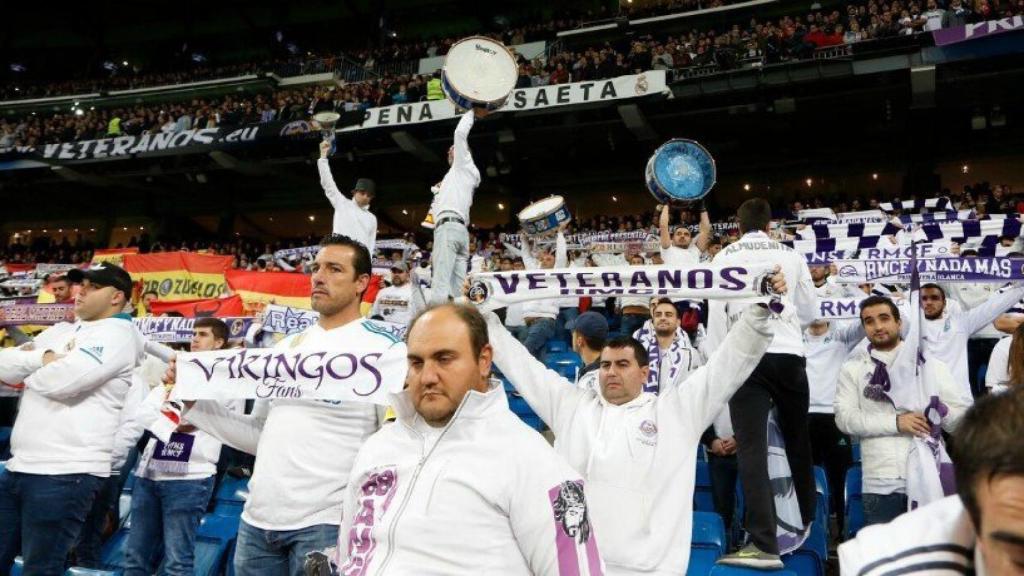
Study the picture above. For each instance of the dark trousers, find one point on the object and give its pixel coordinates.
(723, 471)
(95, 529)
(978, 352)
(778, 381)
(831, 450)
(883, 508)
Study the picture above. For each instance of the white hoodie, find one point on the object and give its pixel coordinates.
(304, 448)
(485, 494)
(638, 459)
(71, 407)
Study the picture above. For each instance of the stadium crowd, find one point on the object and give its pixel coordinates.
(758, 41)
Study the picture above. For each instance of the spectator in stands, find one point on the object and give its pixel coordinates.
(634, 311)
(932, 17)
(174, 480)
(514, 506)
(879, 401)
(779, 382)
(76, 377)
(631, 445)
(980, 530)
(395, 303)
(1006, 363)
(589, 333)
(351, 216)
(827, 345)
(539, 315)
(671, 356)
(296, 493)
(434, 91)
(945, 330)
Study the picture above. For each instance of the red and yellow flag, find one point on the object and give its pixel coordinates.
(176, 276)
(113, 255)
(258, 289)
(228, 307)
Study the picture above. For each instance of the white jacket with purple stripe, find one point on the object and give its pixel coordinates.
(483, 495)
(638, 459)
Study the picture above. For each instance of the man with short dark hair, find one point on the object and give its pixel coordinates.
(304, 448)
(636, 450)
(147, 301)
(458, 484)
(779, 382)
(76, 377)
(61, 290)
(174, 479)
(671, 355)
(881, 403)
(978, 531)
(945, 330)
(352, 217)
(589, 332)
(395, 303)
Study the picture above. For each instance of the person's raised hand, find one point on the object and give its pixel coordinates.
(325, 148)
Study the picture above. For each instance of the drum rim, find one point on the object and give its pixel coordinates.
(447, 78)
(654, 172)
(542, 214)
(334, 116)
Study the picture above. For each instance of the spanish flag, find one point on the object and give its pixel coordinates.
(178, 276)
(228, 307)
(113, 255)
(258, 289)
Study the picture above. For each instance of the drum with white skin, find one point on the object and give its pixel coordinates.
(544, 216)
(479, 73)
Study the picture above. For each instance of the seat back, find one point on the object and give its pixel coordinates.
(854, 503)
(708, 530)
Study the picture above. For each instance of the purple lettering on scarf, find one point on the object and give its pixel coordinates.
(375, 497)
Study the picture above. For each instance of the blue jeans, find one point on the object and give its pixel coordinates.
(537, 335)
(90, 539)
(165, 517)
(883, 508)
(42, 515)
(631, 323)
(279, 552)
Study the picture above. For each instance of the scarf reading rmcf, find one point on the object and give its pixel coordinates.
(492, 290)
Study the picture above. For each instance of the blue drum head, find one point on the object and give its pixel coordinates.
(683, 170)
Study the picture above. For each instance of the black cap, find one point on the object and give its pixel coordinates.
(366, 185)
(104, 274)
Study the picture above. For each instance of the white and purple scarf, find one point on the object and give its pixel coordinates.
(678, 361)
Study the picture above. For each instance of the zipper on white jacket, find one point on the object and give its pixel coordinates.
(412, 486)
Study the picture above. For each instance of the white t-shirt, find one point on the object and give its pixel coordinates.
(394, 304)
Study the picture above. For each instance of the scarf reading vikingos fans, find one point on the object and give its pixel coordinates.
(493, 290)
(360, 373)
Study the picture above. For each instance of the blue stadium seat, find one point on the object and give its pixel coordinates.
(708, 531)
(702, 560)
(702, 499)
(17, 567)
(556, 345)
(823, 501)
(231, 495)
(520, 408)
(5, 440)
(214, 539)
(112, 554)
(854, 503)
(809, 559)
(124, 502)
(565, 363)
(982, 371)
(855, 452)
(720, 570)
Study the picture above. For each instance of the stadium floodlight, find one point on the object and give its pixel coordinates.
(124, 62)
(17, 67)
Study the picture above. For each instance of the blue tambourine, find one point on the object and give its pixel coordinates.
(680, 170)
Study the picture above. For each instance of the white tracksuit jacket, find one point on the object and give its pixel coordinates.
(484, 495)
(71, 407)
(638, 459)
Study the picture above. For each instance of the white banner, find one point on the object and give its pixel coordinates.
(897, 271)
(539, 98)
(498, 289)
(360, 373)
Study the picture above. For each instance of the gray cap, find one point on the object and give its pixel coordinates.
(401, 266)
(591, 325)
(366, 185)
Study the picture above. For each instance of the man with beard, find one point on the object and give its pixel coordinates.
(945, 330)
(887, 432)
(458, 484)
(395, 303)
(304, 448)
(671, 355)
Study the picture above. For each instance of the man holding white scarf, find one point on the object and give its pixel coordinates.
(304, 448)
(635, 450)
(882, 400)
(671, 355)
